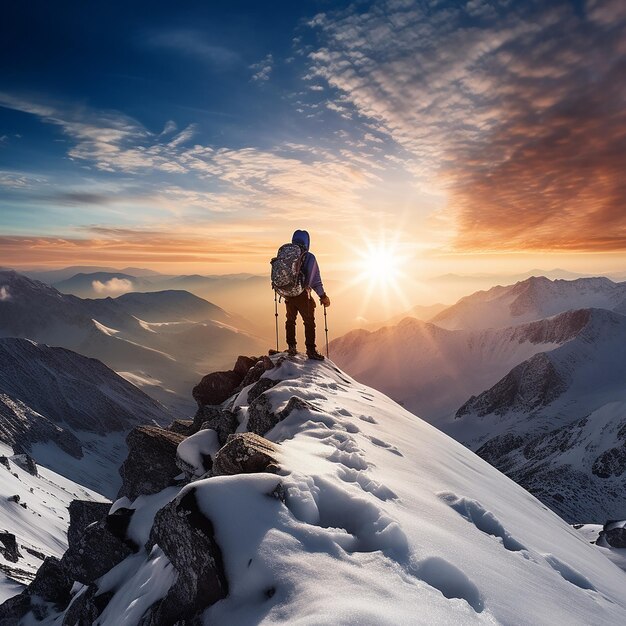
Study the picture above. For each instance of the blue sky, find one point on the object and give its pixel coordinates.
(144, 131)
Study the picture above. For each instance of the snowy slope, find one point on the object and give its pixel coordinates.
(169, 352)
(432, 371)
(529, 300)
(70, 412)
(557, 422)
(385, 520)
(40, 528)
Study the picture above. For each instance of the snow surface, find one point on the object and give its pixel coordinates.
(386, 520)
(42, 526)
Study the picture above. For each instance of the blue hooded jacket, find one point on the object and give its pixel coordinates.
(310, 268)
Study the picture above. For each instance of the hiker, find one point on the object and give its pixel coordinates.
(300, 299)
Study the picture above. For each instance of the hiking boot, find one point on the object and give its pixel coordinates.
(292, 351)
(315, 355)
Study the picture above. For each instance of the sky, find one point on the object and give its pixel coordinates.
(195, 137)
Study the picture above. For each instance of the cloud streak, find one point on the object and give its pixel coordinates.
(519, 114)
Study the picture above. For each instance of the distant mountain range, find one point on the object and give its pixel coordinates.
(160, 341)
(71, 413)
(537, 369)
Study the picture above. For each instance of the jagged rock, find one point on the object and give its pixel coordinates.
(51, 585)
(261, 418)
(26, 462)
(87, 607)
(262, 385)
(186, 537)
(82, 514)
(243, 364)
(246, 453)
(16, 497)
(151, 462)
(101, 547)
(8, 547)
(216, 387)
(222, 421)
(194, 455)
(182, 427)
(611, 462)
(5, 461)
(614, 534)
(255, 372)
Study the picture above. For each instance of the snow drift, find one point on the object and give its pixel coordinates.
(366, 514)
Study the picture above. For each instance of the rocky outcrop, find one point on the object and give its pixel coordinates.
(151, 462)
(101, 547)
(49, 591)
(246, 453)
(222, 421)
(26, 462)
(8, 547)
(254, 373)
(261, 386)
(261, 417)
(86, 607)
(612, 462)
(82, 514)
(613, 534)
(216, 387)
(182, 427)
(186, 537)
(243, 365)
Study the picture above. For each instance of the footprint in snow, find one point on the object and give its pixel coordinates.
(568, 572)
(368, 418)
(383, 444)
(484, 520)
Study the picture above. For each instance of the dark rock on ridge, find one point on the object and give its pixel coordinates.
(216, 387)
(82, 514)
(246, 453)
(8, 547)
(151, 462)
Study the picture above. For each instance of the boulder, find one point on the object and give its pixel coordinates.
(243, 364)
(261, 418)
(261, 386)
(614, 534)
(151, 462)
(8, 547)
(101, 547)
(182, 427)
(87, 607)
(246, 453)
(186, 537)
(222, 421)
(82, 514)
(4, 460)
(51, 586)
(26, 462)
(255, 372)
(216, 387)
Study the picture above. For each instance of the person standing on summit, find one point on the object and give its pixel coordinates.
(297, 293)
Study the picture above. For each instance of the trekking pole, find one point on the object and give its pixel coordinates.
(326, 329)
(276, 315)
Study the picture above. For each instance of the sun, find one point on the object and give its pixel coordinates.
(380, 265)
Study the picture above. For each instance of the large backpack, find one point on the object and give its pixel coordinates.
(287, 275)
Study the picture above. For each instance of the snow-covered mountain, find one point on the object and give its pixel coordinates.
(155, 340)
(361, 513)
(556, 423)
(71, 413)
(432, 371)
(529, 300)
(33, 509)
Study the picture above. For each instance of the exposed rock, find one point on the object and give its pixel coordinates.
(51, 585)
(216, 387)
(243, 364)
(262, 385)
(16, 497)
(5, 462)
(8, 547)
(87, 607)
(151, 462)
(246, 453)
(222, 421)
(101, 547)
(195, 454)
(614, 534)
(611, 462)
(26, 462)
(186, 537)
(255, 372)
(261, 418)
(82, 514)
(182, 427)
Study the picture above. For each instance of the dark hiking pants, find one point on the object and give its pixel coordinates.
(305, 305)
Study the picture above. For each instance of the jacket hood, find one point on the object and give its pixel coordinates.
(301, 237)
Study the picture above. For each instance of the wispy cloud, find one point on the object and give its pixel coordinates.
(518, 114)
(263, 68)
(114, 286)
(5, 293)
